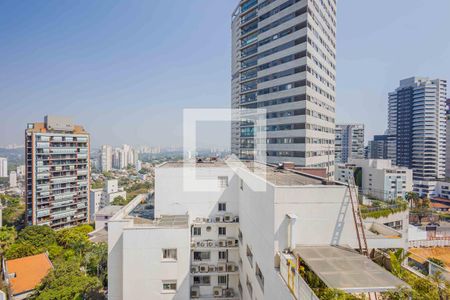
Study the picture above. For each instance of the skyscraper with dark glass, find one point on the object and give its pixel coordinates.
(284, 61)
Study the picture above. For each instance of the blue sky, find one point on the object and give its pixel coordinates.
(126, 69)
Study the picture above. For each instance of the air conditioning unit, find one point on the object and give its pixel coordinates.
(203, 244)
(232, 268)
(221, 267)
(211, 268)
(198, 243)
(231, 243)
(193, 244)
(228, 218)
(236, 219)
(228, 292)
(194, 269)
(210, 220)
(222, 243)
(204, 268)
(218, 219)
(198, 220)
(195, 292)
(210, 244)
(217, 291)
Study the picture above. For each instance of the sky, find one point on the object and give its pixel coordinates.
(125, 70)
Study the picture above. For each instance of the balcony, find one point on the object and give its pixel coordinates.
(212, 269)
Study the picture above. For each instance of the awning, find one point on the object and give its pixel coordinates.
(347, 270)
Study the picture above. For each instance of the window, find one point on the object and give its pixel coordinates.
(223, 181)
(222, 206)
(202, 280)
(259, 276)
(170, 254)
(240, 236)
(222, 255)
(222, 279)
(250, 256)
(249, 287)
(202, 255)
(197, 231)
(170, 285)
(222, 231)
(241, 185)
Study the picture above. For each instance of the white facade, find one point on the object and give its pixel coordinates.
(12, 179)
(284, 60)
(3, 167)
(349, 142)
(106, 158)
(231, 247)
(94, 202)
(380, 179)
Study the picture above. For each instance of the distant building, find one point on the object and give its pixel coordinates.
(349, 142)
(106, 158)
(379, 178)
(58, 173)
(12, 179)
(447, 147)
(20, 170)
(111, 191)
(417, 119)
(138, 165)
(3, 167)
(382, 147)
(95, 201)
(24, 274)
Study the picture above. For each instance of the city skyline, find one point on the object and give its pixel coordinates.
(50, 58)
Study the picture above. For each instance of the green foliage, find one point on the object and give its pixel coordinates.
(74, 238)
(144, 171)
(14, 210)
(138, 188)
(7, 237)
(383, 210)
(38, 236)
(119, 200)
(97, 184)
(66, 282)
(437, 261)
(335, 294)
(108, 175)
(22, 249)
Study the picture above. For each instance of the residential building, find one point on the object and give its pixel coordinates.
(57, 173)
(24, 274)
(20, 170)
(447, 147)
(284, 61)
(379, 178)
(382, 147)
(95, 203)
(206, 241)
(101, 198)
(106, 157)
(3, 167)
(349, 142)
(12, 179)
(417, 119)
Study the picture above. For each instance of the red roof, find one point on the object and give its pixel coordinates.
(439, 205)
(27, 272)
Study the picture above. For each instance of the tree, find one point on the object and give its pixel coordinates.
(21, 249)
(7, 238)
(96, 262)
(119, 200)
(38, 236)
(66, 281)
(397, 257)
(412, 198)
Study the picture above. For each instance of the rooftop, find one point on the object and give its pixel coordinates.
(344, 269)
(165, 221)
(28, 272)
(273, 174)
(109, 210)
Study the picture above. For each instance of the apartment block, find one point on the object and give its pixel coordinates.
(3, 167)
(106, 158)
(349, 142)
(57, 173)
(231, 233)
(284, 61)
(417, 119)
(101, 198)
(379, 178)
(382, 147)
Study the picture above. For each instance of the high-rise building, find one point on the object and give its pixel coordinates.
(417, 119)
(447, 148)
(349, 142)
(284, 61)
(57, 173)
(3, 167)
(382, 147)
(12, 179)
(106, 158)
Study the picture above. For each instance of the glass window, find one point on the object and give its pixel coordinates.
(170, 254)
(169, 285)
(223, 181)
(222, 206)
(222, 279)
(222, 255)
(222, 231)
(197, 231)
(202, 280)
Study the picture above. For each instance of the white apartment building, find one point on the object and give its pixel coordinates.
(380, 179)
(284, 61)
(103, 197)
(3, 167)
(228, 234)
(106, 158)
(349, 142)
(417, 119)
(12, 179)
